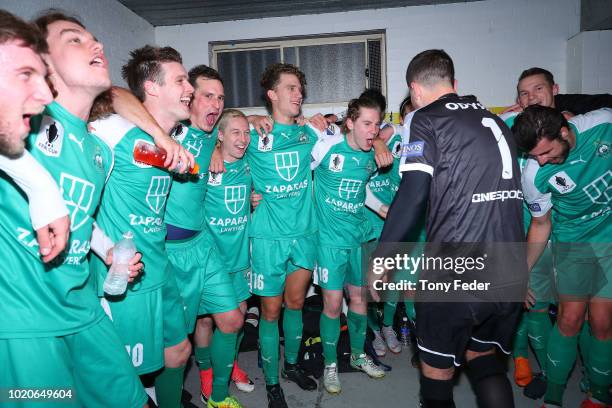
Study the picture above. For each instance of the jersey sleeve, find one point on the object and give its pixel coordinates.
(111, 129)
(591, 119)
(46, 203)
(419, 151)
(321, 148)
(331, 130)
(538, 202)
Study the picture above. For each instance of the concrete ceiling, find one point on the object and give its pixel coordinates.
(178, 12)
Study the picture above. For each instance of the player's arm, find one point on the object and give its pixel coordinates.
(128, 106)
(537, 238)
(580, 103)
(540, 206)
(48, 211)
(374, 204)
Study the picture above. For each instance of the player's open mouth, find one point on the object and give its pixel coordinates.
(211, 118)
(98, 62)
(26, 120)
(369, 142)
(185, 100)
(240, 147)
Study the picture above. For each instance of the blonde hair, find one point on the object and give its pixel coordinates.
(229, 114)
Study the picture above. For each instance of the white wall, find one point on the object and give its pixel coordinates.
(491, 42)
(589, 62)
(117, 27)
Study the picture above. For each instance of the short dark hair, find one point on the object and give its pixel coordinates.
(203, 71)
(271, 77)
(145, 65)
(12, 28)
(376, 96)
(431, 67)
(537, 71)
(354, 107)
(407, 102)
(535, 123)
(49, 16)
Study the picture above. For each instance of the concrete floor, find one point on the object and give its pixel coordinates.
(398, 389)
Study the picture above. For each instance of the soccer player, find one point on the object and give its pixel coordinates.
(383, 185)
(53, 316)
(201, 273)
(283, 227)
(135, 200)
(568, 172)
(227, 211)
(343, 164)
(443, 168)
(24, 93)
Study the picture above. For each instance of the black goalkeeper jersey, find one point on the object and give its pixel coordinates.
(475, 193)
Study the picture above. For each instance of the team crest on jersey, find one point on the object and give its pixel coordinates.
(332, 129)
(336, 163)
(265, 143)
(215, 179)
(287, 164)
(600, 189)
(158, 192)
(349, 188)
(78, 195)
(602, 148)
(562, 182)
(194, 147)
(50, 137)
(303, 137)
(235, 197)
(97, 159)
(396, 150)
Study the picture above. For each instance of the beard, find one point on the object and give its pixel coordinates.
(9, 148)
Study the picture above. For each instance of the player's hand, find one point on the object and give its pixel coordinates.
(217, 165)
(134, 265)
(567, 115)
(262, 124)
(514, 108)
(255, 199)
(383, 210)
(530, 299)
(53, 237)
(177, 158)
(382, 154)
(300, 120)
(318, 122)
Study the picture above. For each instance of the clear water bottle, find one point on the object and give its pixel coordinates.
(405, 332)
(118, 275)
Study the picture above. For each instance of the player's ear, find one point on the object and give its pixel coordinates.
(220, 135)
(271, 94)
(555, 89)
(151, 88)
(565, 133)
(349, 124)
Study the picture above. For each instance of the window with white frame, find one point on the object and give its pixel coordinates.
(338, 67)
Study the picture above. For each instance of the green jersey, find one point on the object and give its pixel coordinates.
(385, 182)
(185, 208)
(341, 175)
(134, 200)
(280, 167)
(577, 190)
(227, 210)
(43, 300)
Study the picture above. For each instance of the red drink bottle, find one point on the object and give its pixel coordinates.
(152, 155)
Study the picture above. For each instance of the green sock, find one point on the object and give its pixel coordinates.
(222, 349)
(292, 329)
(357, 330)
(268, 344)
(239, 341)
(519, 344)
(410, 312)
(584, 342)
(373, 322)
(330, 333)
(538, 330)
(598, 367)
(202, 355)
(389, 313)
(169, 387)
(561, 356)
